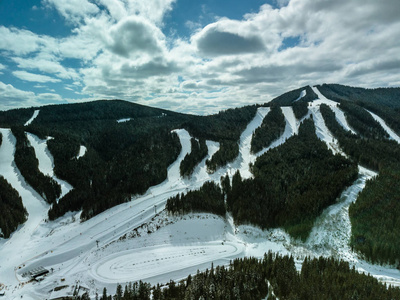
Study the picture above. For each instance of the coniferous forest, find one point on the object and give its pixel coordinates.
(285, 193)
(273, 276)
(374, 216)
(270, 130)
(13, 213)
(198, 152)
(25, 159)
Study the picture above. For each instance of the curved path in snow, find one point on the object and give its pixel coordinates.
(151, 262)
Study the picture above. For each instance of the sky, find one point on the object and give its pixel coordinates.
(192, 56)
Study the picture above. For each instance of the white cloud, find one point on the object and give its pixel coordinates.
(23, 75)
(19, 41)
(49, 97)
(123, 52)
(135, 35)
(47, 65)
(12, 97)
(72, 10)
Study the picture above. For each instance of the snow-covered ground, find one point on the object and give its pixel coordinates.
(139, 240)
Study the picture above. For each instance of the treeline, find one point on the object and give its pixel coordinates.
(274, 277)
(372, 153)
(198, 153)
(15, 117)
(13, 212)
(375, 218)
(287, 98)
(292, 184)
(209, 198)
(362, 121)
(28, 164)
(382, 101)
(270, 130)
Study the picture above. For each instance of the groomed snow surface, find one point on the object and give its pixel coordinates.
(139, 241)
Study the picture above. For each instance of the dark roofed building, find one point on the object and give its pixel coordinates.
(37, 272)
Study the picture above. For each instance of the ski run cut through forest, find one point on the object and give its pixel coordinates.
(141, 240)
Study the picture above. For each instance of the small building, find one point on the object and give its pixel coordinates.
(38, 272)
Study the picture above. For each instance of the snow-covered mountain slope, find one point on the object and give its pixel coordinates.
(138, 240)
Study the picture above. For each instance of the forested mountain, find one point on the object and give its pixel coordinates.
(129, 148)
(122, 158)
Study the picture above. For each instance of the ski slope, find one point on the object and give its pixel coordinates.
(10, 249)
(302, 94)
(34, 116)
(291, 128)
(46, 161)
(389, 131)
(138, 240)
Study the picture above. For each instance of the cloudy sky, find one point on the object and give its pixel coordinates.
(192, 56)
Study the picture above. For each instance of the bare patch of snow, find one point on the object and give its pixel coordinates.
(82, 151)
(124, 120)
